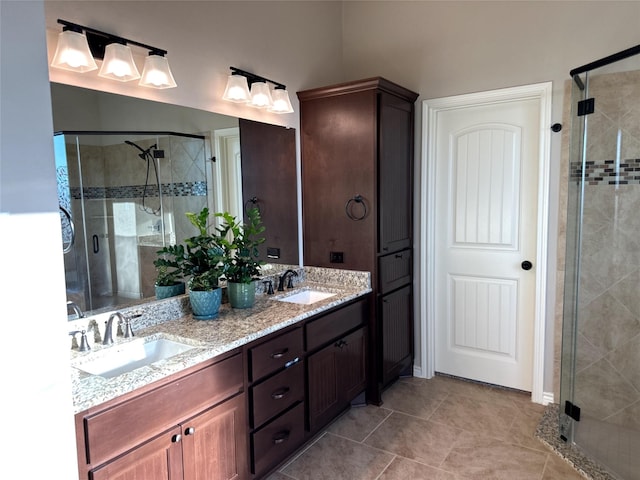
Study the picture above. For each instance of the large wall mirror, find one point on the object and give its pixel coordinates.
(129, 169)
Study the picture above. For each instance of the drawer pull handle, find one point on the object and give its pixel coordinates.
(292, 362)
(190, 431)
(341, 344)
(279, 354)
(280, 393)
(398, 255)
(176, 438)
(281, 437)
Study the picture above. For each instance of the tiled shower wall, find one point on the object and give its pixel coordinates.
(607, 373)
(608, 349)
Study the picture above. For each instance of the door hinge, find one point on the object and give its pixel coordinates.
(586, 107)
(572, 410)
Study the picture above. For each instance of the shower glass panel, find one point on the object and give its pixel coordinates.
(601, 327)
(126, 194)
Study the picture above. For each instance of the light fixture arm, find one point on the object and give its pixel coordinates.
(252, 77)
(110, 37)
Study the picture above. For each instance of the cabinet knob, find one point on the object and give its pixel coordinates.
(190, 431)
(340, 344)
(280, 393)
(281, 437)
(176, 438)
(280, 353)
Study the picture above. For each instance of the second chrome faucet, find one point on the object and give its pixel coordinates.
(123, 321)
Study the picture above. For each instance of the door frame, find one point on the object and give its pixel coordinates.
(430, 108)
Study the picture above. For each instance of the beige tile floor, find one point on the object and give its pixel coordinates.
(438, 429)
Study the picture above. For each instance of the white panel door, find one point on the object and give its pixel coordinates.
(485, 223)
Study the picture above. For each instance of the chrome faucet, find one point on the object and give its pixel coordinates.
(79, 313)
(108, 329)
(84, 344)
(290, 274)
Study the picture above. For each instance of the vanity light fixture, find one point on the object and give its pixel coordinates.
(79, 45)
(118, 63)
(72, 52)
(260, 95)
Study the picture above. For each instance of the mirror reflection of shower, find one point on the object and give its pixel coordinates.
(126, 194)
(150, 159)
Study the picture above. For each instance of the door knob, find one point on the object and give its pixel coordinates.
(526, 265)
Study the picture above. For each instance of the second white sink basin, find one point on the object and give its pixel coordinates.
(306, 297)
(127, 357)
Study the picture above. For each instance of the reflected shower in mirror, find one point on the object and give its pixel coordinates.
(128, 190)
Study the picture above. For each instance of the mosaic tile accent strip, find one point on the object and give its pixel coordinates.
(605, 172)
(179, 189)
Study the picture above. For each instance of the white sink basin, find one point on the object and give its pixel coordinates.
(306, 297)
(138, 353)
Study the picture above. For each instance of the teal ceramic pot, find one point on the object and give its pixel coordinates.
(205, 305)
(241, 295)
(169, 291)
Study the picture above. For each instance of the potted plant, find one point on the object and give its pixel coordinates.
(202, 262)
(169, 272)
(239, 243)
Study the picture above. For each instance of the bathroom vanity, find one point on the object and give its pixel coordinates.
(249, 390)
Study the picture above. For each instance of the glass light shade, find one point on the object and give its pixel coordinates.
(237, 89)
(118, 63)
(156, 73)
(260, 95)
(72, 53)
(281, 102)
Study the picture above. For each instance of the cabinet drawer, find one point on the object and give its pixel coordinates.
(395, 271)
(275, 354)
(273, 442)
(277, 393)
(118, 429)
(335, 324)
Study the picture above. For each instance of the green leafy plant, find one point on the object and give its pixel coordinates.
(169, 265)
(239, 243)
(203, 256)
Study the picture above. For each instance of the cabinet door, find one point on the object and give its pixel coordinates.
(397, 333)
(395, 139)
(159, 459)
(215, 443)
(324, 398)
(337, 374)
(353, 378)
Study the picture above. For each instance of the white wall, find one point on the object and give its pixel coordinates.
(448, 48)
(37, 419)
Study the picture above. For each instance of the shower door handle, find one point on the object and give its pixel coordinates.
(526, 265)
(96, 244)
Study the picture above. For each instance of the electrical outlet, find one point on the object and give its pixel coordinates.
(336, 257)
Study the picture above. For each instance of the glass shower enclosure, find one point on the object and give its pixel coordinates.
(123, 196)
(600, 370)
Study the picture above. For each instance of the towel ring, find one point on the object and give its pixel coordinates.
(255, 202)
(72, 230)
(348, 207)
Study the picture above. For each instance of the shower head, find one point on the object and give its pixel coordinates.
(144, 153)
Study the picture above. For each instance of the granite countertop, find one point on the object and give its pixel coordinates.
(232, 328)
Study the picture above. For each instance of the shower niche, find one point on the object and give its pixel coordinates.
(123, 196)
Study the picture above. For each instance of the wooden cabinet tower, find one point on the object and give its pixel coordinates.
(357, 189)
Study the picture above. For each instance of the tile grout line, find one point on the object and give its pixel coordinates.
(377, 426)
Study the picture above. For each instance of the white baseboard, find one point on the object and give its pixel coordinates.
(547, 398)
